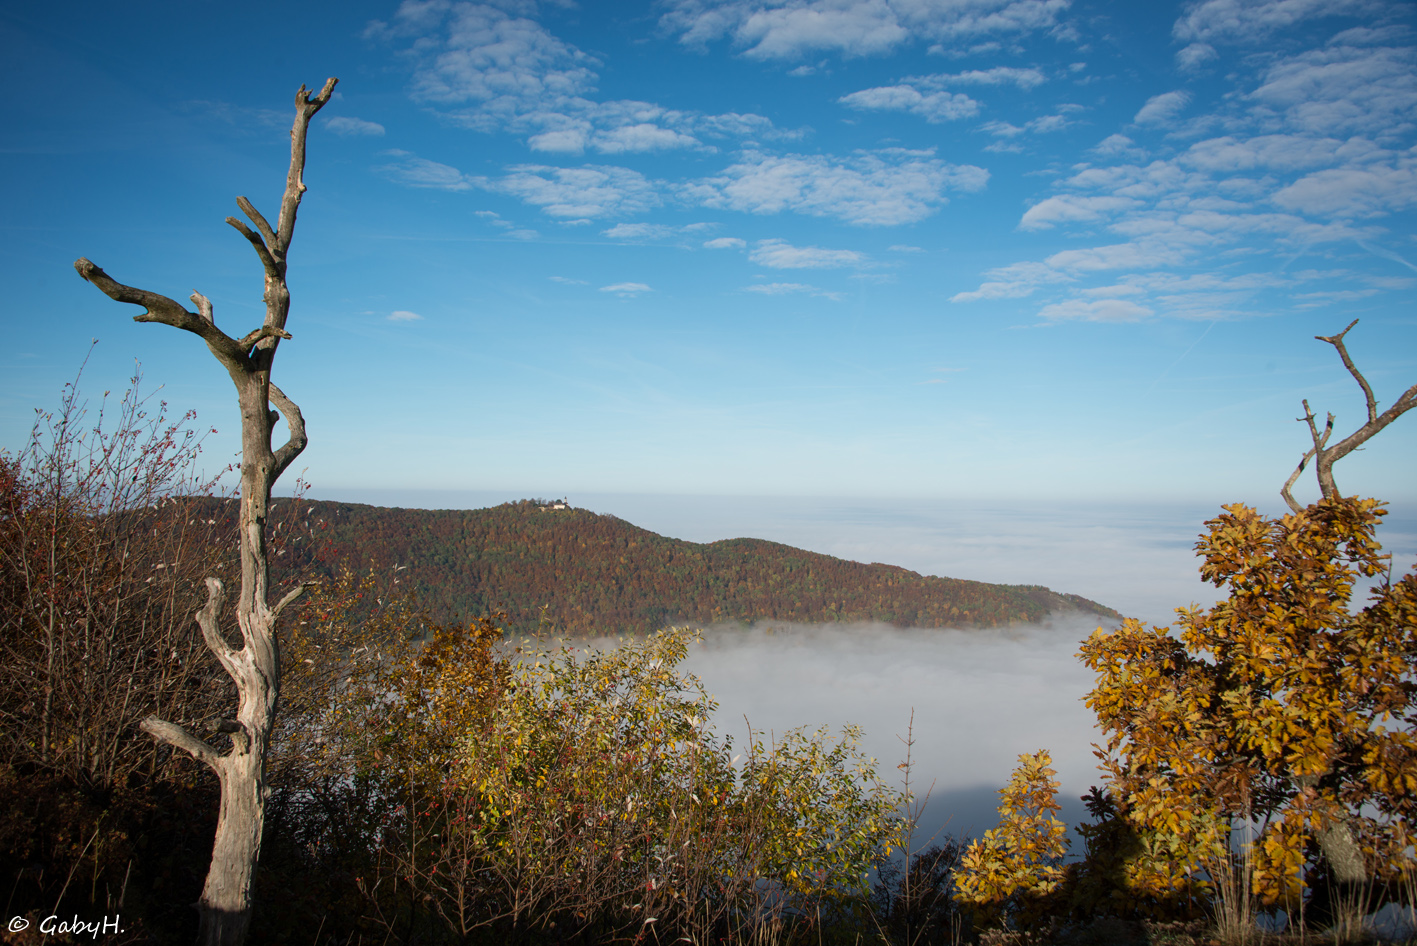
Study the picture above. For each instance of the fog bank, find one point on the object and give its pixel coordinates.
(980, 699)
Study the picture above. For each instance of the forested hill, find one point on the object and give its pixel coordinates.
(591, 574)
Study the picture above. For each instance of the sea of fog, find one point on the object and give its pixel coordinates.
(979, 697)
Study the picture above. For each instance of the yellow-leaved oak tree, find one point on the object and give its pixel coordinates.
(225, 904)
(1282, 706)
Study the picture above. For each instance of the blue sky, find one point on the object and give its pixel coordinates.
(1028, 248)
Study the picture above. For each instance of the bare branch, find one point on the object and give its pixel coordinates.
(305, 108)
(1337, 342)
(295, 422)
(211, 631)
(255, 216)
(204, 306)
(1294, 478)
(267, 261)
(265, 331)
(1319, 439)
(159, 308)
(175, 735)
(288, 600)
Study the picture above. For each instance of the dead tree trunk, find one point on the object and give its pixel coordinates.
(255, 666)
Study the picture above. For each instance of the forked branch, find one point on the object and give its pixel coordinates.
(1327, 456)
(159, 308)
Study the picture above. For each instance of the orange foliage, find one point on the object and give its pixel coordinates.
(1278, 703)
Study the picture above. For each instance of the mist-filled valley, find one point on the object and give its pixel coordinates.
(980, 698)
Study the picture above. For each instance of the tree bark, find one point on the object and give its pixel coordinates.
(225, 904)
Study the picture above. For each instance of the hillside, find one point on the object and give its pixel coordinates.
(590, 574)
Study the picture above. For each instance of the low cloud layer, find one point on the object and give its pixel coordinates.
(980, 698)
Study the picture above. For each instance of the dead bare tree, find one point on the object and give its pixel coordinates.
(225, 904)
(1328, 456)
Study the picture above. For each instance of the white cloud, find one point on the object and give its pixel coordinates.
(476, 53)
(1175, 283)
(1044, 124)
(413, 171)
(627, 289)
(347, 125)
(1314, 300)
(1372, 36)
(1014, 281)
(566, 281)
(1008, 133)
(791, 29)
(641, 137)
(1070, 209)
(494, 218)
(403, 315)
(1162, 109)
(1195, 55)
(779, 254)
(1096, 310)
(1230, 154)
(492, 69)
(1343, 89)
(884, 188)
(656, 231)
(562, 141)
(1244, 21)
(1112, 291)
(1318, 145)
(903, 248)
(639, 231)
(726, 243)
(1024, 79)
(1353, 192)
(789, 288)
(589, 191)
(929, 96)
(1117, 256)
(1119, 146)
(934, 107)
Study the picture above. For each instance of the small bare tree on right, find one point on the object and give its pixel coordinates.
(1328, 456)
